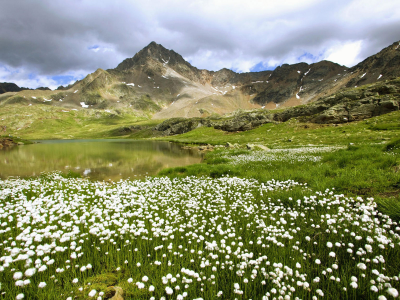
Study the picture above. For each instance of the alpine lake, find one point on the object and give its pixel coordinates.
(108, 160)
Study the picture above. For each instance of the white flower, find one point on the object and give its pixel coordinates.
(320, 292)
(30, 272)
(169, 291)
(140, 285)
(332, 254)
(75, 280)
(354, 285)
(353, 279)
(393, 292)
(145, 278)
(381, 297)
(368, 247)
(20, 296)
(151, 288)
(42, 285)
(130, 280)
(92, 293)
(374, 288)
(362, 266)
(138, 264)
(298, 265)
(17, 275)
(329, 244)
(317, 261)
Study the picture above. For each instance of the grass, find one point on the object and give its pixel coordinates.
(192, 238)
(356, 170)
(365, 132)
(50, 122)
(316, 216)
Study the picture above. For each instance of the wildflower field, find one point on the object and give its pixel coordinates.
(193, 238)
(301, 223)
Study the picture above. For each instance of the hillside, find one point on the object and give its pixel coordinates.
(159, 83)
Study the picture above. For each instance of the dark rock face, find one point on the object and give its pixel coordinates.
(300, 80)
(10, 87)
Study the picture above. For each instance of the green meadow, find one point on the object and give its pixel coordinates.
(309, 212)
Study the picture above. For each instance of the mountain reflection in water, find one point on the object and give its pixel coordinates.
(96, 159)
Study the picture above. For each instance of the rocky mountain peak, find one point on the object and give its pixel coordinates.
(152, 52)
(381, 66)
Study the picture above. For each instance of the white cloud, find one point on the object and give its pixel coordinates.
(346, 53)
(23, 78)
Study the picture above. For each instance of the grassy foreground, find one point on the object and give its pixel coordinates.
(316, 217)
(193, 238)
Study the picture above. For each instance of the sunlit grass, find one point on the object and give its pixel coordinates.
(294, 134)
(192, 238)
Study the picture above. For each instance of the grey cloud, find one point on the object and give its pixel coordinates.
(51, 37)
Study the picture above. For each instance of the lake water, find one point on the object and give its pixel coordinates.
(96, 159)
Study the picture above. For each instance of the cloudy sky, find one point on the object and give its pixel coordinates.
(55, 42)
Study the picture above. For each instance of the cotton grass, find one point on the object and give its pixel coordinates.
(193, 238)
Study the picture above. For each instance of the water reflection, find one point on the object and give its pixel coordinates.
(96, 159)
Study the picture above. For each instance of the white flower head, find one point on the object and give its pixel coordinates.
(92, 293)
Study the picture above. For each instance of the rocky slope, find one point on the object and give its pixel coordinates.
(351, 104)
(160, 83)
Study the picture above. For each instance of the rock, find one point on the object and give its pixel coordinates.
(262, 147)
(250, 146)
(119, 292)
(229, 145)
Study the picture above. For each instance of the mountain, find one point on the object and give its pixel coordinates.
(10, 87)
(160, 83)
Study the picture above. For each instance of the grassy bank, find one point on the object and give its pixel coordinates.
(294, 133)
(50, 122)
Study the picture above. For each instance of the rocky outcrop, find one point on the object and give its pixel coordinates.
(245, 121)
(346, 106)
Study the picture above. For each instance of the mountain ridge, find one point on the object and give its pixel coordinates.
(159, 82)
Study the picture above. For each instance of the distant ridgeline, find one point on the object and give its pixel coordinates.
(10, 87)
(159, 83)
